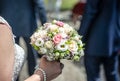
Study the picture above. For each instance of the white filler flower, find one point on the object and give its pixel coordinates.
(39, 42)
(62, 46)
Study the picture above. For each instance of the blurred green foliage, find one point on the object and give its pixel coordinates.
(66, 4)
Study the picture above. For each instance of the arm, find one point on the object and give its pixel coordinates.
(118, 26)
(51, 68)
(6, 53)
(91, 10)
(40, 9)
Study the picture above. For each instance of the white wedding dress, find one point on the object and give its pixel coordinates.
(19, 55)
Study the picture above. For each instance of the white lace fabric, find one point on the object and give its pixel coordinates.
(19, 55)
(19, 59)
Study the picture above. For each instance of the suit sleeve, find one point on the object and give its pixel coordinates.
(91, 9)
(118, 23)
(41, 11)
(118, 33)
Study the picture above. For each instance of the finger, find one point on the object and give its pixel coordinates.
(43, 58)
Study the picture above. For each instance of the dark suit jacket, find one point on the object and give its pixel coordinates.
(98, 27)
(20, 14)
(118, 27)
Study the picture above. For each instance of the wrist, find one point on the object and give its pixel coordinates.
(41, 73)
(34, 77)
(37, 77)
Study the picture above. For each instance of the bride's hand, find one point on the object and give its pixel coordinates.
(52, 68)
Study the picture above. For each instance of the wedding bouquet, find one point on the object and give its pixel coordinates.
(58, 40)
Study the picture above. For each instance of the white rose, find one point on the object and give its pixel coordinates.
(43, 33)
(53, 28)
(36, 34)
(42, 51)
(33, 39)
(61, 30)
(68, 29)
(64, 35)
(66, 26)
(48, 44)
(73, 46)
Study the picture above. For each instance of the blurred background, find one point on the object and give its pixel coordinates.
(61, 10)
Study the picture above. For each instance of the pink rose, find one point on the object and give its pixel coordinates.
(59, 23)
(57, 38)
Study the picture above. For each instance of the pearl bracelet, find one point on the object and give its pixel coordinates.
(43, 72)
